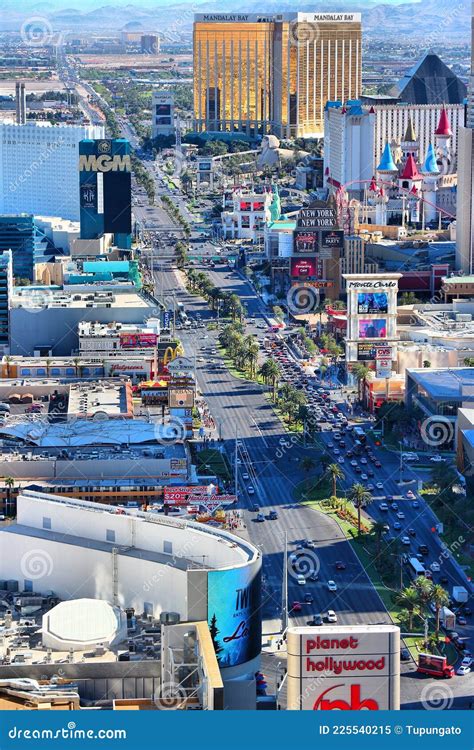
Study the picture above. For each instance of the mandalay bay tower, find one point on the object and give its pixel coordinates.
(258, 74)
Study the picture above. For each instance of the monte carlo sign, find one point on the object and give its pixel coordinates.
(346, 668)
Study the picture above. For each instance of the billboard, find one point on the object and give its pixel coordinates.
(373, 329)
(163, 109)
(351, 668)
(137, 340)
(383, 368)
(304, 267)
(371, 352)
(318, 217)
(306, 242)
(88, 197)
(372, 303)
(181, 398)
(234, 614)
(332, 240)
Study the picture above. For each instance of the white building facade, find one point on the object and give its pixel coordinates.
(348, 145)
(465, 201)
(39, 167)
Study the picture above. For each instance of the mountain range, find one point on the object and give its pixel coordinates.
(430, 21)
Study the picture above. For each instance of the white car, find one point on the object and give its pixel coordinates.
(364, 477)
(250, 490)
(401, 515)
(379, 485)
(435, 567)
(411, 495)
(466, 662)
(332, 617)
(405, 540)
(332, 586)
(245, 476)
(383, 506)
(301, 580)
(463, 670)
(341, 459)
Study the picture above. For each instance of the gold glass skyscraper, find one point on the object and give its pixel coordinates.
(274, 73)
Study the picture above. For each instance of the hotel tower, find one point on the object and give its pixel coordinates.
(465, 197)
(259, 74)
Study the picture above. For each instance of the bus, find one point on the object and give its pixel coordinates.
(359, 434)
(416, 566)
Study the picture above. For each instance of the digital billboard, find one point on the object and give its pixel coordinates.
(372, 329)
(332, 240)
(234, 614)
(137, 340)
(306, 242)
(370, 352)
(345, 668)
(372, 303)
(304, 267)
(163, 109)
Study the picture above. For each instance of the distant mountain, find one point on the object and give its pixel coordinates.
(429, 22)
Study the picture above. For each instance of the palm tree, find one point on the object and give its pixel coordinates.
(336, 473)
(409, 599)
(9, 484)
(440, 598)
(424, 587)
(361, 372)
(7, 359)
(361, 497)
(235, 306)
(378, 528)
(274, 374)
(252, 356)
(77, 367)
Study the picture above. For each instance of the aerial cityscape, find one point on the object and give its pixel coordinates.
(237, 357)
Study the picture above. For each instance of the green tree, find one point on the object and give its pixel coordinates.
(440, 598)
(378, 528)
(361, 373)
(336, 473)
(409, 599)
(361, 498)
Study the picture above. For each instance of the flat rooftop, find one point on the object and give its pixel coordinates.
(38, 297)
(89, 328)
(92, 399)
(445, 383)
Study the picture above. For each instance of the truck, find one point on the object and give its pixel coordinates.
(436, 666)
(447, 618)
(460, 594)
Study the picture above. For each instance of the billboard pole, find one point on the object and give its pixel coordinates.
(284, 591)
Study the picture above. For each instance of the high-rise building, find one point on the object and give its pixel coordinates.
(38, 167)
(273, 73)
(162, 113)
(6, 286)
(430, 81)
(150, 44)
(348, 146)
(465, 199)
(105, 190)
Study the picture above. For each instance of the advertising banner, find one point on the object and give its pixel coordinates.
(181, 398)
(383, 368)
(306, 242)
(234, 614)
(371, 352)
(372, 329)
(167, 318)
(304, 267)
(137, 340)
(182, 495)
(332, 240)
(383, 352)
(89, 196)
(318, 217)
(372, 303)
(181, 364)
(351, 668)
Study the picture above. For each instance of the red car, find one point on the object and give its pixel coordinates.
(296, 607)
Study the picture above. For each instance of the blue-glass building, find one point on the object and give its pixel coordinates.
(106, 190)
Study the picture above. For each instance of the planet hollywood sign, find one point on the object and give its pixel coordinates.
(345, 668)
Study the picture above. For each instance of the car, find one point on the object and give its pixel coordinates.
(331, 616)
(336, 451)
(316, 621)
(296, 607)
(397, 525)
(370, 487)
(363, 460)
(301, 580)
(34, 409)
(260, 517)
(332, 586)
(435, 567)
(340, 565)
(379, 485)
(415, 504)
(411, 495)
(353, 462)
(250, 490)
(463, 670)
(405, 540)
(245, 476)
(461, 620)
(444, 579)
(313, 577)
(412, 532)
(466, 662)
(341, 459)
(330, 446)
(383, 506)
(308, 598)
(273, 515)
(401, 515)
(378, 464)
(467, 611)
(364, 477)
(255, 508)
(423, 549)
(404, 654)
(394, 506)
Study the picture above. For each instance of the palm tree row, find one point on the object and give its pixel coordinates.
(415, 598)
(243, 350)
(200, 282)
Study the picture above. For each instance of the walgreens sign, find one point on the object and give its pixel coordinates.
(346, 668)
